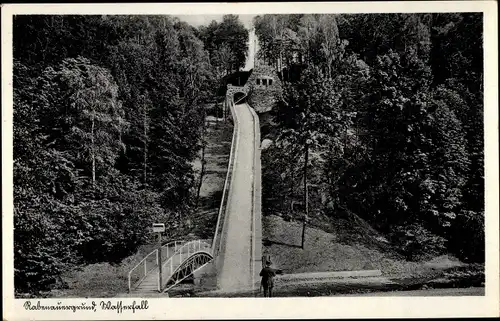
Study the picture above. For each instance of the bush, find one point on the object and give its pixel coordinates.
(215, 110)
(466, 239)
(416, 242)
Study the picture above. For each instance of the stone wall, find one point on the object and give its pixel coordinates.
(262, 97)
(231, 90)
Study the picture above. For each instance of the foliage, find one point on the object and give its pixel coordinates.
(411, 160)
(107, 122)
(467, 236)
(226, 43)
(417, 242)
(281, 174)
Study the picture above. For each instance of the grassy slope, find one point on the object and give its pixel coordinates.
(347, 244)
(105, 280)
(339, 245)
(219, 136)
(351, 244)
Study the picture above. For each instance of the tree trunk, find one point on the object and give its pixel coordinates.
(345, 141)
(292, 177)
(145, 169)
(306, 196)
(202, 171)
(120, 138)
(281, 65)
(93, 147)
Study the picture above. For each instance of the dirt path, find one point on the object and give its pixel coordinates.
(236, 272)
(473, 291)
(365, 286)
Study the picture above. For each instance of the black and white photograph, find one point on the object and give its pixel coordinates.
(248, 155)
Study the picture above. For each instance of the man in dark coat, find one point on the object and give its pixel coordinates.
(267, 282)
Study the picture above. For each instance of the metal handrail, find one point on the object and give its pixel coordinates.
(197, 248)
(146, 272)
(169, 245)
(216, 240)
(223, 205)
(145, 268)
(179, 281)
(256, 197)
(245, 96)
(187, 244)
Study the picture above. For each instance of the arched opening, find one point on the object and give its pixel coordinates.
(238, 97)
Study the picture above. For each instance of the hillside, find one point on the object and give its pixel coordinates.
(106, 280)
(352, 245)
(218, 137)
(345, 244)
(331, 245)
(348, 245)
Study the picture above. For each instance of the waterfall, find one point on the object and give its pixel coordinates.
(253, 47)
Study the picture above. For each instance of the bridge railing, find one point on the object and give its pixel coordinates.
(142, 269)
(167, 250)
(150, 263)
(223, 205)
(256, 235)
(183, 253)
(242, 98)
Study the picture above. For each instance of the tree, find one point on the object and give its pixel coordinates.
(228, 37)
(308, 33)
(223, 60)
(106, 129)
(457, 62)
(89, 115)
(278, 41)
(418, 161)
(312, 117)
(412, 165)
(329, 40)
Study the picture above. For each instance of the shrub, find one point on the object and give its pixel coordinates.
(416, 242)
(466, 239)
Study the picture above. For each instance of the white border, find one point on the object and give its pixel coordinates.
(322, 307)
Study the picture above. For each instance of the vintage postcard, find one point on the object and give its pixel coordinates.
(250, 160)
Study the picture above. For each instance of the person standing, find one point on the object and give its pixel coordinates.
(267, 282)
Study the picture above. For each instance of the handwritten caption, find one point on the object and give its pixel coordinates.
(118, 306)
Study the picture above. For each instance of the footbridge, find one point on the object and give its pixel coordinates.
(234, 254)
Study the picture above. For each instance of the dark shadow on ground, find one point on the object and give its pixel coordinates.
(267, 242)
(333, 288)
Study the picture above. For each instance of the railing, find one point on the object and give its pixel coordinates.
(142, 269)
(150, 263)
(256, 223)
(223, 205)
(167, 250)
(244, 96)
(179, 250)
(181, 254)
